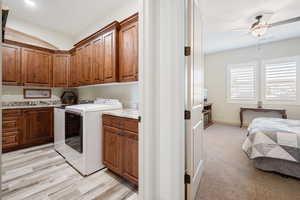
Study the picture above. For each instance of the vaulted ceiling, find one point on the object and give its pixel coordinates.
(70, 17)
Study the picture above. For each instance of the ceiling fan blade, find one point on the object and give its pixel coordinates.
(292, 20)
(240, 29)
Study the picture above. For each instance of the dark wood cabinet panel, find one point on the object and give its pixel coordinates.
(38, 125)
(87, 64)
(61, 65)
(79, 62)
(11, 129)
(36, 68)
(73, 71)
(11, 65)
(128, 50)
(130, 156)
(98, 61)
(84, 64)
(110, 56)
(112, 148)
(23, 128)
(120, 146)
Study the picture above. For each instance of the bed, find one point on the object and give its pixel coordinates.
(274, 145)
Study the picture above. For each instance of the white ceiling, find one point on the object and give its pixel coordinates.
(69, 17)
(221, 16)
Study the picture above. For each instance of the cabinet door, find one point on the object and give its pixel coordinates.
(73, 81)
(112, 147)
(36, 68)
(38, 125)
(130, 156)
(128, 52)
(79, 62)
(98, 61)
(11, 65)
(11, 130)
(61, 63)
(109, 46)
(87, 64)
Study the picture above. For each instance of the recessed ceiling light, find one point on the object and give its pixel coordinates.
(30, 3)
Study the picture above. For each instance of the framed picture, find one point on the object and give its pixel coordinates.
(37, 93)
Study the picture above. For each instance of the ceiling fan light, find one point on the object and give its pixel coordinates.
(259, 31)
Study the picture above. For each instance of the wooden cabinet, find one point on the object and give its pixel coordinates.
(110, 56)
(84, 64)
(112, 148)
(107, 56)
(120, 146)
(36, 68)
(73, 81)
(98, 61)
(128, 50)
(61, 64)
(38, 125)
(26, 127)
(11, 65)
(130, 156)
(11, 129)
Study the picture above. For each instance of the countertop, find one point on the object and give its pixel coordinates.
(127, 113)
(30, 106)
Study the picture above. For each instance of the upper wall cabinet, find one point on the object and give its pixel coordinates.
(73, 80)
(11, 65)
(128, 49)
(107, 56)
(84, 64)
(98, 60)
(61, 64)
(36, 68)
(110, 56)
(98, 56)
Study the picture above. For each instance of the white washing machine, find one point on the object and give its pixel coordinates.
(59, 128)
(83, 135)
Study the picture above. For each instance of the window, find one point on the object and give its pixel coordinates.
(242, 83)
(279, 80)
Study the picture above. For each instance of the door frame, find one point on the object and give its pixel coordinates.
(161, 96)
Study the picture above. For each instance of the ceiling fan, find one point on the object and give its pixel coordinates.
(261, 25)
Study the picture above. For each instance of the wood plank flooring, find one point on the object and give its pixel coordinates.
(40, 173)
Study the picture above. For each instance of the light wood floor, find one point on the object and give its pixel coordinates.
(40, 173)
(230, 175)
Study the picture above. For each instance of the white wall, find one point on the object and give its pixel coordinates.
(115, 15)
(57, 39)
(215, 78)
(127, 94)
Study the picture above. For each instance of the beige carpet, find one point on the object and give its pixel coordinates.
(230, 175)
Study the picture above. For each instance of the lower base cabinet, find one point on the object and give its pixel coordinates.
(26, 128)
(120, 146)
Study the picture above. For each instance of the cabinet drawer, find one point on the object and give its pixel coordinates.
(112, 121)
(131, 125)
(11, 140)
(10, 124)
(10, 132)
(11, 113)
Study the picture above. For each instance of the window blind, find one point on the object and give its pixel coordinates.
(280, 81)
(243, 83)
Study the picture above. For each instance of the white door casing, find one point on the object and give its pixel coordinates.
(194, 98)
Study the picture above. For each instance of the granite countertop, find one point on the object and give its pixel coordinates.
(127, 113)
(30, 106)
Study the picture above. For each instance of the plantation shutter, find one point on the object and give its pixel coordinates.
(280, 81)
(243, 82)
